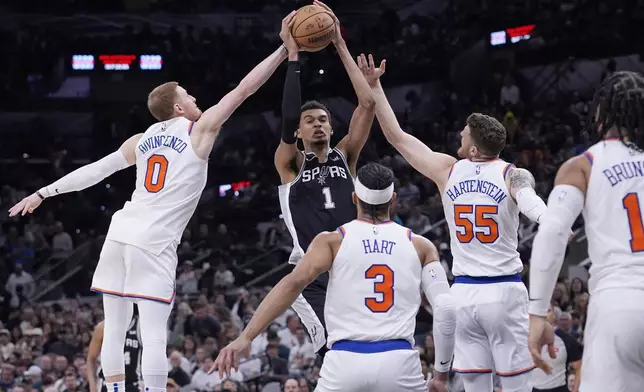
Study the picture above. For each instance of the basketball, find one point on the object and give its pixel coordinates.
(313, 28)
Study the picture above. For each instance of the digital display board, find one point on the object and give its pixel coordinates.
(116, 62)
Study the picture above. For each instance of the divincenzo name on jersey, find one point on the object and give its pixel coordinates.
(157, 141)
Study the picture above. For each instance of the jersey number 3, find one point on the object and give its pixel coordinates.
(385, 287)
(631, 204)
(484, 228)
(155, 173)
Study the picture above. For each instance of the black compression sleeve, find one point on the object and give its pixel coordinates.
(291, 102)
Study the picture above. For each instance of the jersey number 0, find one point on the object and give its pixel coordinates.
(385, 288)
(155, 173)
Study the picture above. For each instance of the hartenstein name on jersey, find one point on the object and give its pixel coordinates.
(322, 172)
(157, 141)
(478, 186)
(623, 171)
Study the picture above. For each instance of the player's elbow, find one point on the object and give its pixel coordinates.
(445, 314)
(367, 101)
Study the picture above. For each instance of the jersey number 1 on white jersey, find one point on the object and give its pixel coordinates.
(384, 287)
(631, 204)
(155, 173)
(484, 227)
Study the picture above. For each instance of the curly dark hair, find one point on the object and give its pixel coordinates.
(488, 133)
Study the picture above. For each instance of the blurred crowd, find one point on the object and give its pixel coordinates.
(230, 254)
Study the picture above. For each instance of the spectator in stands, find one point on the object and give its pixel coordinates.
(417, 221)
(287, 335)
(61, 242)
(274, 367)
(20, 285)
(304, 385)
(187, 282)
(177, 373)
(6, 347)
(291, 385)
(223, 276)
(302, 353)
(510, 94)
(202, 325)
(273, 337)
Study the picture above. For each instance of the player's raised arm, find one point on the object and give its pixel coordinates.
(565, 203)
(317, 260)
(81, 178)
(436, 288)
(521, 184)
(287, 151)
(93, 352)
(362, 117)
(213, 119)
(433, 165)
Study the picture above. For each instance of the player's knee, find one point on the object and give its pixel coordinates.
(445, 313)
(519, 383)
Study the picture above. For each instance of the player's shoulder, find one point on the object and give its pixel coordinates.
(330, 238)
(518, 177)
(423, 245)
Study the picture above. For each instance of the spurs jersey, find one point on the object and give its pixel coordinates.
(613, 216)
(169, 180)
(483, 219)
(374, 284)
(319, 199)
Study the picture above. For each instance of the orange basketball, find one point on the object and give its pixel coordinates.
(313, 28)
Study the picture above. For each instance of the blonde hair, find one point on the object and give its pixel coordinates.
(162, 99)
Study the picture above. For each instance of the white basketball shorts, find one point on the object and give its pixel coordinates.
(491, 327)
(128, 271)
(398, 370)
(613, 358)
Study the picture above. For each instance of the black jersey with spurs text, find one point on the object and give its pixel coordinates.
(319, 199)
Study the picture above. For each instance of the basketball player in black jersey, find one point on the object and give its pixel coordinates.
(132, 350)
(317, 183)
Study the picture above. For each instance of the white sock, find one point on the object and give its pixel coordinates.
(115, 386)
(148, 389)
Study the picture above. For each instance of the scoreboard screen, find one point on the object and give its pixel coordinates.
(512, 35)
(117, 62)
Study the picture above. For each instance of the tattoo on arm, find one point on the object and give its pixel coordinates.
(521, 178)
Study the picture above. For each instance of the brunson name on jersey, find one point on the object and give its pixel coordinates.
(623, 171)
(157, 141)
(478, 186)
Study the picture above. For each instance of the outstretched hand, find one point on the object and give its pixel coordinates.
(26, 205)
(286, 35)
(369, 70)
(337, 36)
(229, 356)
(541, 334)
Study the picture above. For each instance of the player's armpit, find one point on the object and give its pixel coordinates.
(317, 260)
(128, 148)
(287, 159)
(432, 164)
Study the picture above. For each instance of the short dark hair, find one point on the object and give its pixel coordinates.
(621, 105)
(310, 105)
(488, 133)
(377, 177)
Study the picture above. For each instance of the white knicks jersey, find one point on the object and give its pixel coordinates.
(483, 219)
(170, 178)
(613, 216)
(374, 284)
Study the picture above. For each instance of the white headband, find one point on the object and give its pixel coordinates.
(371, 196)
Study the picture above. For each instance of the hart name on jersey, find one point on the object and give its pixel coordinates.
(478, 186)
(376, 246)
